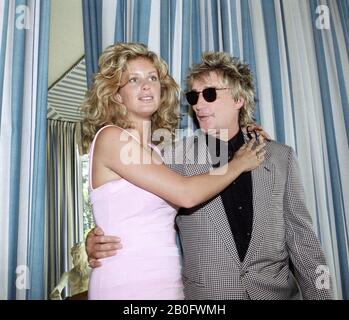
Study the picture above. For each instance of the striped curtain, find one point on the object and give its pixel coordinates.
(64, 202)
(24, 34)
(298, 51)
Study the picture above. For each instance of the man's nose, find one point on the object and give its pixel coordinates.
(202, 103)
(200, 108)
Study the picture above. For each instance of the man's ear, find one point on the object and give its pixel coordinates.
(239, 103)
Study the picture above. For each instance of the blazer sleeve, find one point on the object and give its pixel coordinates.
(306, 254)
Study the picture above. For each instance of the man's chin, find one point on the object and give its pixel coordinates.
(205, 126)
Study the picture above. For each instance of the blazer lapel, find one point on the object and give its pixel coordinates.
(214, 208)
(262, 189)
(218, 217)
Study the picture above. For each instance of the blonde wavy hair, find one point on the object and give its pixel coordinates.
(234, 75)
(101, 107)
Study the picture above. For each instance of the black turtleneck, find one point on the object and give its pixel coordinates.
(237, 197)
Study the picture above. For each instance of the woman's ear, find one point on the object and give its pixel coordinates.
(118, 97)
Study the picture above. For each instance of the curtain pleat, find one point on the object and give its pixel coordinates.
(24, 36)
(64, 202)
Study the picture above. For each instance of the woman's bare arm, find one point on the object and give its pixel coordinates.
(129, 160)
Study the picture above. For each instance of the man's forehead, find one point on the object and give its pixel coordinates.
(207, 79)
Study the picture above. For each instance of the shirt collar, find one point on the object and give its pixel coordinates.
(234, 145)
(236, 142)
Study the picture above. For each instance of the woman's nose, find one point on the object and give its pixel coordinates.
(145, 84)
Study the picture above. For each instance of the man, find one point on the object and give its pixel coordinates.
(254, 240)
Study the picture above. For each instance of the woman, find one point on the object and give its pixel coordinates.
(133, 194)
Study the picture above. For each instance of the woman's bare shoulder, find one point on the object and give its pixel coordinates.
(112, 136)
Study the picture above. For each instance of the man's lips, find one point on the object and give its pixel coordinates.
(204, 116)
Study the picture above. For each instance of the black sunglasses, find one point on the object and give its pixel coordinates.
(209, 94)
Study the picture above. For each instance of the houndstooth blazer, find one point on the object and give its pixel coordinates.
(282, 234)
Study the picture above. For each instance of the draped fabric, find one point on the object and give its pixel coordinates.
(64, 202)
(298, 52)
(24, 34)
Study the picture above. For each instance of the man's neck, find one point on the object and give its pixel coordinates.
(225, 134)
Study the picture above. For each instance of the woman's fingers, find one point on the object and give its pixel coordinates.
(251, 143)
(258, 130)
(260, 147)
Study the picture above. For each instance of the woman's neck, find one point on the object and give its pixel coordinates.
(143, 129)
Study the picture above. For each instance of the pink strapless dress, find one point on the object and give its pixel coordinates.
(148, 266)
